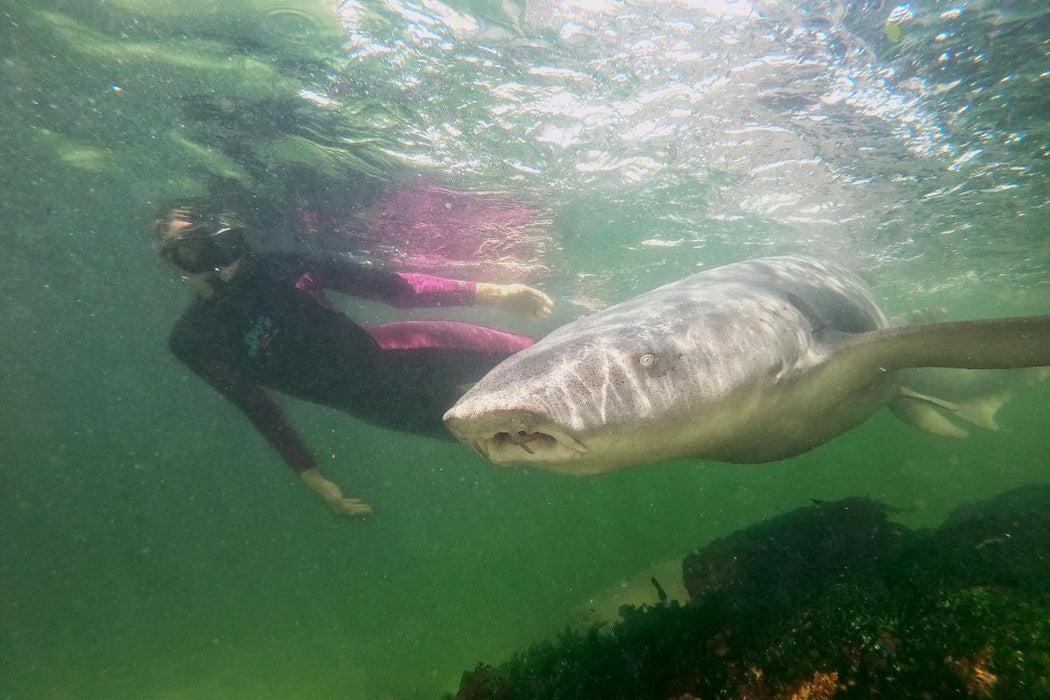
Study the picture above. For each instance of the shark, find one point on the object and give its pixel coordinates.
(751, 362)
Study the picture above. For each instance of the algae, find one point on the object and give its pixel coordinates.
(833, 600)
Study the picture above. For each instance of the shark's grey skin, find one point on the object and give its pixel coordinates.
(750, 362)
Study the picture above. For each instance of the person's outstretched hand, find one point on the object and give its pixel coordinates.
(331, 494)
(518, 298)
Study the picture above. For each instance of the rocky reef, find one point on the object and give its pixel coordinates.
(832, 600)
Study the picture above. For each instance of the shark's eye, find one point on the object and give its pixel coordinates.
(647, 359)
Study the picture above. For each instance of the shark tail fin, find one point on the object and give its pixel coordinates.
(933, 417)
(1005, 343)
(926, 417)
(981, 410)
(864, 361)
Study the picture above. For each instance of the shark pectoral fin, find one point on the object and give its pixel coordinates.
(917, 410)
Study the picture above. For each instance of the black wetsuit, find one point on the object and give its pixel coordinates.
(271, 327)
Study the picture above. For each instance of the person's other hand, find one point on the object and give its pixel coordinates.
(349, 506)
(331, 494)
(517, 298)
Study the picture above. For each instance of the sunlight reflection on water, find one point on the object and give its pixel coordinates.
(797, 119)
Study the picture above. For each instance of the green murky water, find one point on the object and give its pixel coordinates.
(152, 546)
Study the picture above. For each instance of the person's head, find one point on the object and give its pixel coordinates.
(199, 244)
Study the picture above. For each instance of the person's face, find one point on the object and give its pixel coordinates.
(202, 251)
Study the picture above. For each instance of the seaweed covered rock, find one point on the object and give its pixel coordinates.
(775, 562)
(833, 600)
(1002, 542)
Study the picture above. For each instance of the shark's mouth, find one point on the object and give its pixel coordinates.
(520, 446)
(539, 441)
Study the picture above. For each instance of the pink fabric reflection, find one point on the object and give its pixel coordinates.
(422, 227)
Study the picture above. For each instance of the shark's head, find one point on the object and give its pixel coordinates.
(582, 401)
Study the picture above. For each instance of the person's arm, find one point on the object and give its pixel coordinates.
(262, 410)
(414, 290)
(269, 418)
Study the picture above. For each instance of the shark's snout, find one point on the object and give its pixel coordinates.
(513, 436)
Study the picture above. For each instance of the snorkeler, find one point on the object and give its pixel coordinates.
(262, 322)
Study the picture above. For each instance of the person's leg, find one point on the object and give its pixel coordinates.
(421, 383)
(449, 335)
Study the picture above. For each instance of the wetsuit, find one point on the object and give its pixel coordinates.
(271, 327)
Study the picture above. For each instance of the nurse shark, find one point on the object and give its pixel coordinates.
(750, 362)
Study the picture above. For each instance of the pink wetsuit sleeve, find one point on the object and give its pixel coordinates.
(404, 290)
(435, 291)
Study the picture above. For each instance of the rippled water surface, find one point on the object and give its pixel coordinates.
(151, 545)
